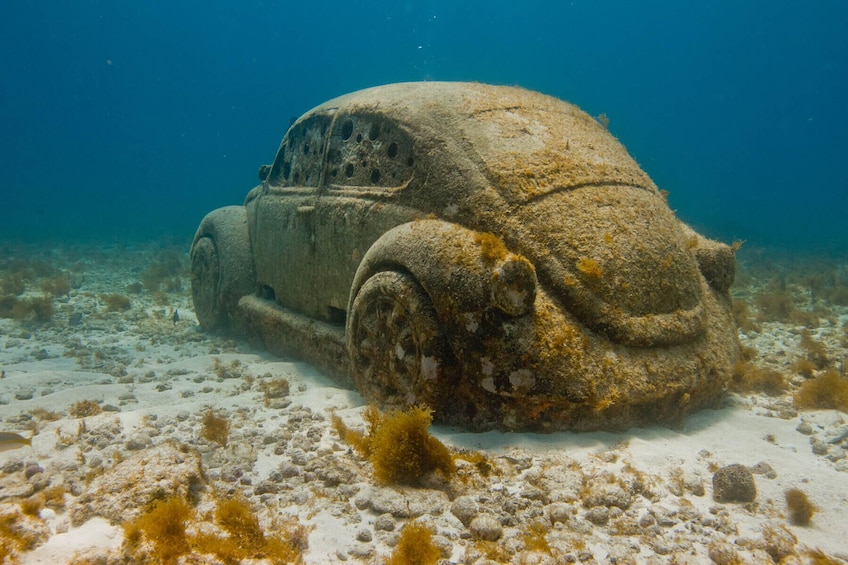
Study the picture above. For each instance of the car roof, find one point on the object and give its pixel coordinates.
(529, 144)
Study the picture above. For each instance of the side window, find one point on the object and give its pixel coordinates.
(368, 151)
(300, 158)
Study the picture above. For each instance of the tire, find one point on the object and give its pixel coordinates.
(222, 268)
(398, 355)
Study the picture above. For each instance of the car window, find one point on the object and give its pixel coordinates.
(300, 158)
(368, 152)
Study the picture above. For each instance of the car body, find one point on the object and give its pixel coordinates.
(489, 251)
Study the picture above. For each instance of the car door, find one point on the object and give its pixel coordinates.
(368, 164)
(288, 265)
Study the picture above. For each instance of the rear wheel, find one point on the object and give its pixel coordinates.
(397, 350)
(221, 266)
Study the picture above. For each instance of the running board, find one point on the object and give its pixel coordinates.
(285, 332)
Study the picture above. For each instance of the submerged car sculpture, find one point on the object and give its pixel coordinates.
(488, 251)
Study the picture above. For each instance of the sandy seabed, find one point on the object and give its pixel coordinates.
(641, 496)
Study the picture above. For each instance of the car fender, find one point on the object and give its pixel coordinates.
(464, 272)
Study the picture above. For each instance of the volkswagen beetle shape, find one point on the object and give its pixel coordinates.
(488, 251)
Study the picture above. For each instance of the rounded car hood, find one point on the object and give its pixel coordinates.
(617, 258)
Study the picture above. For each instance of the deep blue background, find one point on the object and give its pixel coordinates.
(127, 119)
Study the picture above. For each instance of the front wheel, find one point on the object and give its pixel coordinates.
(221, 266)
(397, 349)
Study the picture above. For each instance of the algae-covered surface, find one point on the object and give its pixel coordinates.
(130, 405)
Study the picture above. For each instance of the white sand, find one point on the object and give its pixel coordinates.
(157, 379)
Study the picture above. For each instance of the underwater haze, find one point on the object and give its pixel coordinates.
(128, 120)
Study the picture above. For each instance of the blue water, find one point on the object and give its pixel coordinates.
(130, 119)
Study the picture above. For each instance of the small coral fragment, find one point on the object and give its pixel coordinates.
(84, 409)
(734, 483)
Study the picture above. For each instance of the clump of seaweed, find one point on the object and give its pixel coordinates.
(819, 557)
(14, 536)
(37, 308)
(166, 527)
(747, 377)
(60, 285)
(165, 274)
(535, 538)
(214, 428)
(246, 539)
(32, 506)
(827, 391)
(116, 302)
(804, 367)
(398, 445)
(800, 508)
(84, 409)
(232, 370)
(814, 350)
(13, 283)
(274, 389)
(742, 316)
(776, 305)
(415, 546)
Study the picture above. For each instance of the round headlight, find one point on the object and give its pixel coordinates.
(514, 285)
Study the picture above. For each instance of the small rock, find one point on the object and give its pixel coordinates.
(266, 487)
(804, 428)
(665, 517)
(385, 523)
(13, 465)
(819, 447)
(558, 512)
(723, 553)
(609, 495)
(486, 527)
(694, 485)
(231, 474)
(465, 509)
(137, 442)
(364, 535)
(24, 394)
(361, 551)
(533, 493)
(780, 543)
(734, 483)
(763, 468)
(32, 469)
(598, 515)
(647, 520)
